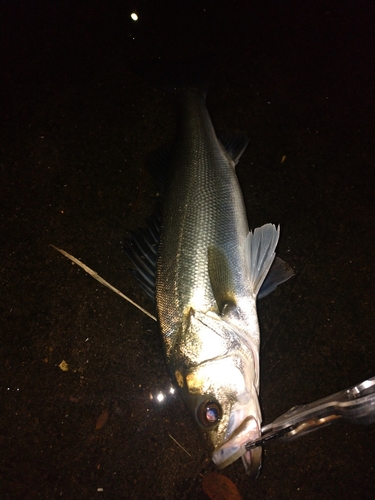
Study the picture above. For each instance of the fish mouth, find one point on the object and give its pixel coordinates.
(235, 447)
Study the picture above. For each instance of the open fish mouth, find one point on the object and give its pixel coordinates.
(235, 447)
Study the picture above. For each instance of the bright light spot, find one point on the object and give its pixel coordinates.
(134, 16)
(160, 397)
(163, 395)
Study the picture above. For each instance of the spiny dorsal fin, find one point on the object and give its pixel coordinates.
(142, 249)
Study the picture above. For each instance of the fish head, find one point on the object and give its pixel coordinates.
(217, 373)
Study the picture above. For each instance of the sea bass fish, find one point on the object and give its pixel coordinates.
(204, 268)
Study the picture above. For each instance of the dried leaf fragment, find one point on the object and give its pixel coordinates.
(219, 487)
(102, 420)
(64, 366)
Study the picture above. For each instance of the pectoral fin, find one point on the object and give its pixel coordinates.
(221, 279)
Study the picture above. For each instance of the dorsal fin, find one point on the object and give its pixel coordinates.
(142, 250)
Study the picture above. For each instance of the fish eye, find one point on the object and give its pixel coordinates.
(209, 413)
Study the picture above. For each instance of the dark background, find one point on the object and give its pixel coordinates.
(77, 125)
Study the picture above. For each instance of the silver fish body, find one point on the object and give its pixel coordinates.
(209, 271)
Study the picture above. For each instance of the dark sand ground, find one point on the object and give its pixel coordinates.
(77, 125)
